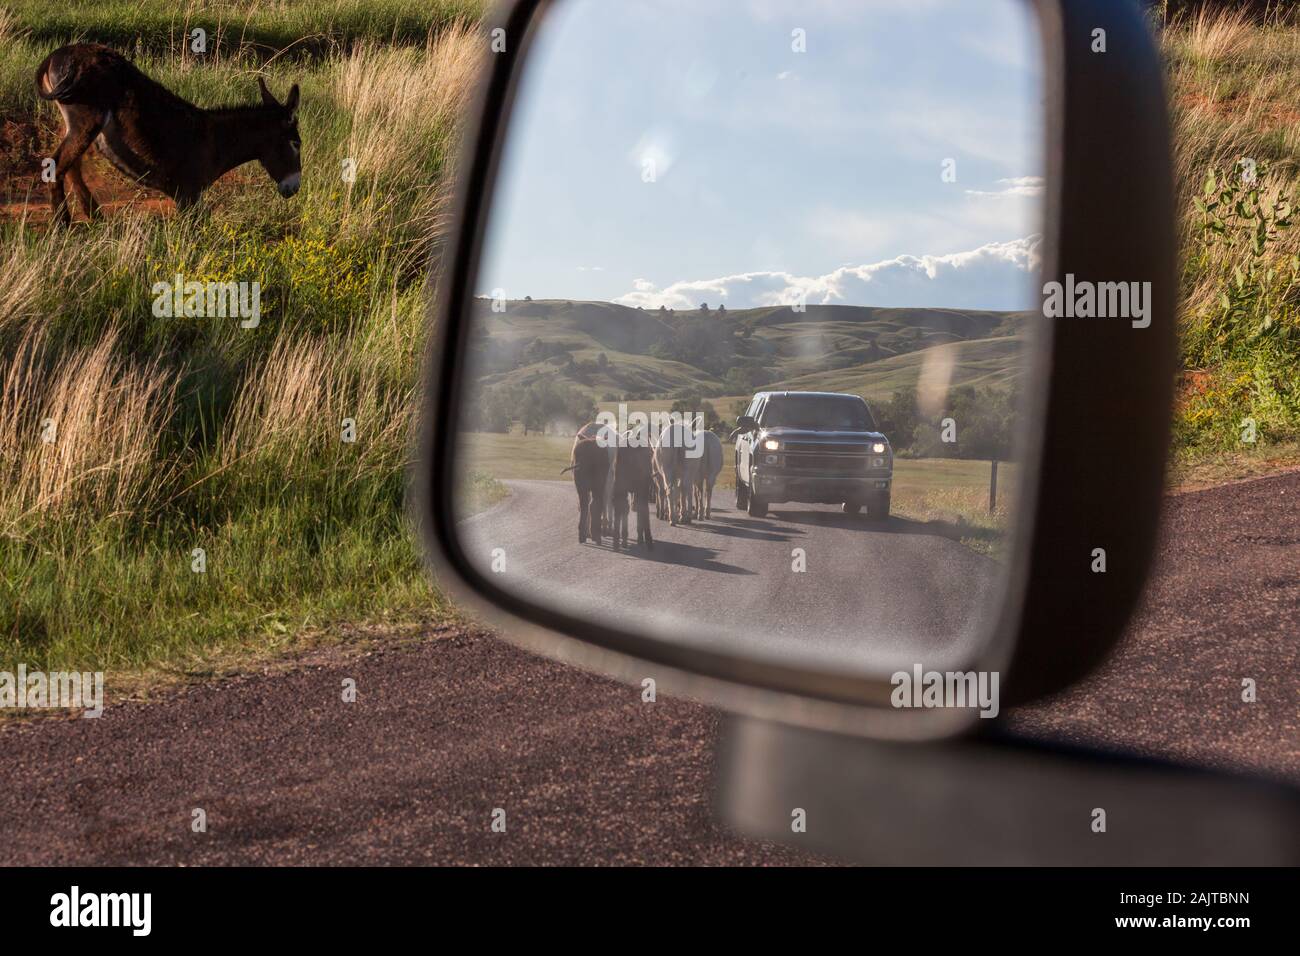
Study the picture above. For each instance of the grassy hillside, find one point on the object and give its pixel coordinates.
(983, 362)
(612, 351)
(167, 436)
(1235, 91)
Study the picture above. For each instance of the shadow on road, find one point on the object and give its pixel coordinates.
(894, 524)
(749, 528)
(682, 555)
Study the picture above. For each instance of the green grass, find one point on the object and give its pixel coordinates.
(297, 26)
(177, 434)
(1234, 86)
(478, 492)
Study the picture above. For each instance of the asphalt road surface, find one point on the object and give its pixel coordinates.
(447, 728)
(872, 594)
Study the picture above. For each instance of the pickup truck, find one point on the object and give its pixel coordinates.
(812, 447)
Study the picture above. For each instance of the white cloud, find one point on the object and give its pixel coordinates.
(993, 276)
(1015, 186)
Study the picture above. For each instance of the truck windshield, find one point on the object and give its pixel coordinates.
(846, 413)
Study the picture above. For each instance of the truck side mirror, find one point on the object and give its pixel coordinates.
(1082, 304)
(745, 423)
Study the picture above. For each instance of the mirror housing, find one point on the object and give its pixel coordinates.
(1102, 384)
(745, 423)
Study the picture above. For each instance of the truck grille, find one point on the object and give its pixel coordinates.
(831, 448)
(827, 464)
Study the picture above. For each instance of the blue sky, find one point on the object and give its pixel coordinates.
(777, 174)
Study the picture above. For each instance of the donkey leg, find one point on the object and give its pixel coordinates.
(643, 534)
(80, 135)
(597, 505)
(582, 518)
(87, 199)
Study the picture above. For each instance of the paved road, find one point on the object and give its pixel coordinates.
(878, 593)
(450, 727)
(1222, 606)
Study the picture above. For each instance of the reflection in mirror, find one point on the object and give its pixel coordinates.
(749, 353)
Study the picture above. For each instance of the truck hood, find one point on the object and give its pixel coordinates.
(803, 434)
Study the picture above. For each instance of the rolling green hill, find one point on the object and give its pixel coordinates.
(614, 352)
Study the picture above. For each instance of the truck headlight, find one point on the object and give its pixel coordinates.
(771, 444)
(878, 448)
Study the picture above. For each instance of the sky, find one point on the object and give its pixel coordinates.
(673, 152)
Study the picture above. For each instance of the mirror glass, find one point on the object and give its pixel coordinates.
(753, 324)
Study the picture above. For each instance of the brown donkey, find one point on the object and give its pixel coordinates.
(155, 137)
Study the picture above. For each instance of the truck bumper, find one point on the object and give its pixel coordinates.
(778, 487)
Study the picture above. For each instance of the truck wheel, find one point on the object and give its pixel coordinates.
(852, 507)
(878, 509)
(742, 494)
(757, 507)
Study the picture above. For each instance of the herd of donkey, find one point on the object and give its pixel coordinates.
(615, 473)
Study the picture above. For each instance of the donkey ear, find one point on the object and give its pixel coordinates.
(291, 104)
(267, 98)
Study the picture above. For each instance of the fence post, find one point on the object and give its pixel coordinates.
(993, 486)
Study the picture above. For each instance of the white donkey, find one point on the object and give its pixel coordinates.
(710, 466)
(677, 469)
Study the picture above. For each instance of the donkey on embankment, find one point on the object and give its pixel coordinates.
(152, 135)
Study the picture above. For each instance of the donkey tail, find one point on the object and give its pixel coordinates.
(569, 469)
(56, 91)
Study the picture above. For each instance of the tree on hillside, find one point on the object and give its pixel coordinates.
(541, 404)
(691, 403)
(898, 418)
(602, 360)
(983, 421)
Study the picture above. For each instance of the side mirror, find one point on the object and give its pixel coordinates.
(745, 423)
(619, 213)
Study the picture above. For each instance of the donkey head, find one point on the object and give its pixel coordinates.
(281, 153)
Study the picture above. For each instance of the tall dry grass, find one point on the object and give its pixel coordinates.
(1212, 35)
(401, 102)
(1235, 96)
(291, 416)
(179, 433)
(81, 436)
